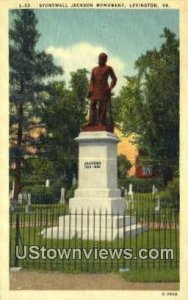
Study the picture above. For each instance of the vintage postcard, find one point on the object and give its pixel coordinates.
(94, 149)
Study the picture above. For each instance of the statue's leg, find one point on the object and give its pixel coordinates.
(102, 111)
(92, 112)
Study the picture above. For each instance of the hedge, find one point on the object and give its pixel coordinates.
(141, 185)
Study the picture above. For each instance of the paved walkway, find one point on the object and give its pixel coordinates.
(26, 280)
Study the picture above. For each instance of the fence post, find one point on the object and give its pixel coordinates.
(17, 238)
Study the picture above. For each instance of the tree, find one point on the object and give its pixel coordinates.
(64, 113)
(29, 69)
(149, 104)
(124, 166)
(79, 92)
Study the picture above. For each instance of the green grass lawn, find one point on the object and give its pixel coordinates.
(152, 275)
(159, 270)
(150, 239)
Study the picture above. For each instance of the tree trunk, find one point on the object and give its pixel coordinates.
(167, 175)
(17, 189)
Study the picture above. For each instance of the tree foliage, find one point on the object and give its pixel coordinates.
(149, 104)
(63, 114)
(29, 70)
(123, 165)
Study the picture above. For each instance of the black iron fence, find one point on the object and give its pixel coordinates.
(51, 238)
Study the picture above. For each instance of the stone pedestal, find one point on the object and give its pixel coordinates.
(97, 179)
(97, 211)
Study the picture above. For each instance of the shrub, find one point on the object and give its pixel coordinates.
(171, 197)
(70, 192)
(141, 185)
(40, 194)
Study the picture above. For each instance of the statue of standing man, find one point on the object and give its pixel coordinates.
(100, 91)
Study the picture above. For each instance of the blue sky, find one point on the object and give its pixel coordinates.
(75, 37)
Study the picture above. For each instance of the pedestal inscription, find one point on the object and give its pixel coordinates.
(97, 179)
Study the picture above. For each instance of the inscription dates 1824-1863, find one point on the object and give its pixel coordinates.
(92, 164)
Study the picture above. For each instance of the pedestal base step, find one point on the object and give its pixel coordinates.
(95, 227)
(96, 221)
(95, 235)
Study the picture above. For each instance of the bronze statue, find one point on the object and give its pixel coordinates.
(100, 92)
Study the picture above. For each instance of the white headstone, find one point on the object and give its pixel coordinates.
(27, 209)
(20, 198)
(11, 195)
(157, 207)
(154, 189)
(62, 199)
(130, 189)
(47, 184)
(131, 197)
(29, 199)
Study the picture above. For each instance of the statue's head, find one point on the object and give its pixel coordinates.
(102, 59)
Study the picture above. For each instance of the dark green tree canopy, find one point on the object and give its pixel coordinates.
(64, 113)
(149, 102)
(28, 67)
(29, 71)
(123, 165)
